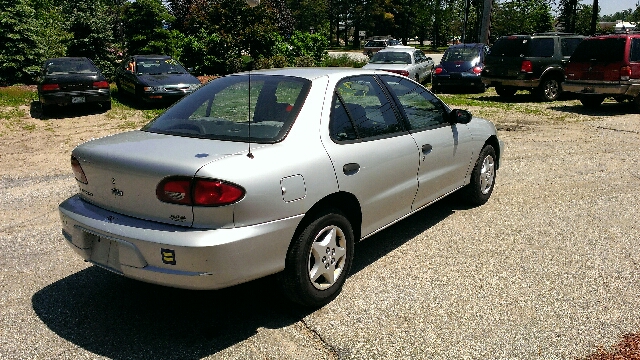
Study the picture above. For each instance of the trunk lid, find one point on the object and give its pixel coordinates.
(124, 170)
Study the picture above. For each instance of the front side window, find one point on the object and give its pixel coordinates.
(422, 109)
(255, 108)
(361, 110)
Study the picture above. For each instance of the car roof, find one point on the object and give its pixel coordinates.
(467, 45)
(151, 56)
(311, 73)
(69, 58)
(399, 48)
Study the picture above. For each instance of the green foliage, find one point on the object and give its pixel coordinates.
(144, 28)
(89, 23)
(343, 60)
(521, 17)
(21, 52)
(211, 54)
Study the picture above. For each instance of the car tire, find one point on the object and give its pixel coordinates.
(591, 101)
(318, 260)
(505, 91)
(483, 177)
(636, 103)
(46, 110)
(106, 106)
(480, 88)
(549, 89)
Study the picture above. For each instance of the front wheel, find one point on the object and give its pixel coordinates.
(319, 260)
(483, 177)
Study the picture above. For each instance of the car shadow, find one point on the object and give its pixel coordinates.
(605, 109)
(134, 103)
(120, 318)
(522, 97)
(65, 112)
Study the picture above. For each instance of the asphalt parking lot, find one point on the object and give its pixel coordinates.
(547, 269)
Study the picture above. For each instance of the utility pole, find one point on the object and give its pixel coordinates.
(594, 18)
(486, 22)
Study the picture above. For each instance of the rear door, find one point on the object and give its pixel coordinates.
(374, 157)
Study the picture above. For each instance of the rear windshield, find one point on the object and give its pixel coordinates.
(69, 66)
(391, 57)
(159, 66)
(599, 49)
(523, 46)
(376, 43)
(461, 54)
(258, 108)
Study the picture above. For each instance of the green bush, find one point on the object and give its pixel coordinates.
(343, 60)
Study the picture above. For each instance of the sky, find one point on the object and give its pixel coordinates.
(610, 7)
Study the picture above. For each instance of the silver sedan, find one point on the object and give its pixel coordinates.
(403, 60)
(272, 172)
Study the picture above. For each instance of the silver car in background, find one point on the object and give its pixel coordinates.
(272, 172)
(403, 60)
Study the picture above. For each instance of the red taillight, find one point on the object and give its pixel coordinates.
(213, 192)
(477, 70)
(401, 72)
(625, 73)
(526, 66)
(77, 170)
(50, 87)
(198, 192)
(101, 84)
(438, 70)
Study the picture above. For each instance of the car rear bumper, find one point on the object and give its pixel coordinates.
(518, 83)
(464, 80)
(175, 256)
(75, 97)
(608, 88)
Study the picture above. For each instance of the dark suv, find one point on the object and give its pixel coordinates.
(529, 62)
(606, 66)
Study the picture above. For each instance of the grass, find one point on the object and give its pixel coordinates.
(14, 96)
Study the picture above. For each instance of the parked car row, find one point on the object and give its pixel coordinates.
(69, 81)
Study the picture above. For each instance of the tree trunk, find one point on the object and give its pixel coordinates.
(486, 22)
(594, 17)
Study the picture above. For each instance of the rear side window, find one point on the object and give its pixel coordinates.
(635, 50)
(600, 50)
(361, 110)
(510, 46)
(541, 47)
(569, 45)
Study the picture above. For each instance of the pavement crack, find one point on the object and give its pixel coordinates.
(618, 130)
(315, 335)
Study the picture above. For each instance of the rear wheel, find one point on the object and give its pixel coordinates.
(483, 177)
(549, 89)
(591, 101)
(505, 91)
(480, 88)
(319, 260)
(106, 106)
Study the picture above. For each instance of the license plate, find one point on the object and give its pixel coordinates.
(77, 99)
(105, 252)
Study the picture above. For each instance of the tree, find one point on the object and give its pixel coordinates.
(521, 17)
(90, 24)
(145, 28)
(21, 53)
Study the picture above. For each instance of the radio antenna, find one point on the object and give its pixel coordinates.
(249, 154)
(251, 3)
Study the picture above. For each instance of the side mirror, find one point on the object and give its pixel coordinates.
(459, 116)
